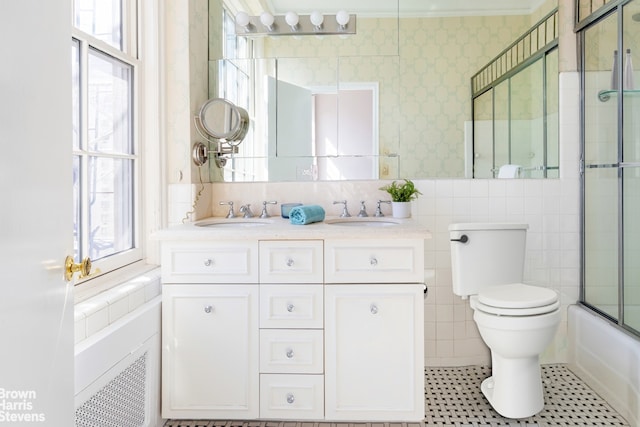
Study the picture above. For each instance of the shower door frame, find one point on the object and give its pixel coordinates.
(607, 10)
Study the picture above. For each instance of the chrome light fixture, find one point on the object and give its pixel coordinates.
(267, 20)
(243, 20)
(292, 23)
(317, 19)
(342, 18)
(292, 19)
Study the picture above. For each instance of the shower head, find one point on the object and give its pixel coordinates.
(636, 17)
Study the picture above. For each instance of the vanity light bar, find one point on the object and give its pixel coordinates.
(293, 24)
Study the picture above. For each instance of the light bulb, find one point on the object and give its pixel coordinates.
(243, 20)
(267, 20)
(342, 18)
(316, 19)
(292, 19)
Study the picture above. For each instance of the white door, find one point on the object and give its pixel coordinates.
(290, 133)
(36, 222)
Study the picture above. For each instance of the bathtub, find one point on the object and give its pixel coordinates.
(607, 359)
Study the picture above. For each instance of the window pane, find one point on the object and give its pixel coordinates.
(110, 206)
(110, 105)
(75, 92)
(77, 226)
(102, 19)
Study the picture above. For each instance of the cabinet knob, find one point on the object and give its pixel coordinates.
(208, 262)
(289, 353)
(208, 309)
(373, 261)
(290, 398)
(290, 308)
(373, 308)
(290, 262)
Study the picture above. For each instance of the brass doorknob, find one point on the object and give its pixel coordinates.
(70, 267)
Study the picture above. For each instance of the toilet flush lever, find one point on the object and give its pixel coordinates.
(463, 239)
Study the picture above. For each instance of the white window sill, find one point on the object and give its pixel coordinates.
(102, 302)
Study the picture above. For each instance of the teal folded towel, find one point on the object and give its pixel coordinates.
(306, 214)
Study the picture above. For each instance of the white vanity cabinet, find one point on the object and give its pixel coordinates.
(374, 330)
(210, 339)
(311, 328)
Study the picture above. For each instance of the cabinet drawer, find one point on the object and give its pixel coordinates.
(293, 397)
(291, 261)
(220, 262)
(291, 306)
(374, 261)
(298, 351)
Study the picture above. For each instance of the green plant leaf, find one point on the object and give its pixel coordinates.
(402, 193)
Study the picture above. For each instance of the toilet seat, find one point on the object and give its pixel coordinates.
(516, 299)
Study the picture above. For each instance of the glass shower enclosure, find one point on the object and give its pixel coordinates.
(610, 164)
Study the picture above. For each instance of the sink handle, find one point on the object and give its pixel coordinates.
(379, 210)
(265, 213)
(231, 213)
(345, 213)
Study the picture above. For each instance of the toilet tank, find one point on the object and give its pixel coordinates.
(493, 254)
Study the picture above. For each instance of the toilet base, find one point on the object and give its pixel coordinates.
(515, 388)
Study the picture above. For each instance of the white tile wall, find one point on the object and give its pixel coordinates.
(550, 207)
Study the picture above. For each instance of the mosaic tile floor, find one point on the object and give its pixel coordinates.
(453, 399)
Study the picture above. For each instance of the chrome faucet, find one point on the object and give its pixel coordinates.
(264, 213)
(378, 210)
(246, 210)
(231, 213)
(363, 210)
(345, 213)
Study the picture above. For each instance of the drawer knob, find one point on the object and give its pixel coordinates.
(290, 398)
(290, 262)
(290, 308)
(208, 309)
(373, 261)
(289, 353)
(208, 262)
(374, 309)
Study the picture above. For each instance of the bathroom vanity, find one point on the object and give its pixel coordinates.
(277, 321)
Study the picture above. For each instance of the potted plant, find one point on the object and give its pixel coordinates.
(401, 197)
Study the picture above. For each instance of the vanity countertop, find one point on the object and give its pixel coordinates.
(280, 228)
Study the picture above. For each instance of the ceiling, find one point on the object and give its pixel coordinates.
(423, 8)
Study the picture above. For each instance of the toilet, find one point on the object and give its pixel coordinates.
(516, 321)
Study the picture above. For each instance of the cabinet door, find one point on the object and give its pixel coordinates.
(374, 352)
(210, 351)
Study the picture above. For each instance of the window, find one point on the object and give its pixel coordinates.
(105, 142)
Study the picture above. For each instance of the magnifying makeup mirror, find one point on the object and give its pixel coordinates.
(222, 123)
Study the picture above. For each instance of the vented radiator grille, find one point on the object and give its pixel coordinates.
(121, 402)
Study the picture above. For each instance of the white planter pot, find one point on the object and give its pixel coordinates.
(401, 209)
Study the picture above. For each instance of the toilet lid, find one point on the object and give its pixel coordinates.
(516, 299)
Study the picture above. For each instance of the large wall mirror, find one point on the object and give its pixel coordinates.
(392, 100)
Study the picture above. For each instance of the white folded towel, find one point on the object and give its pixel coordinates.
(509, 171)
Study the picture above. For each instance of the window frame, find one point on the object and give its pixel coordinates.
(129, 55)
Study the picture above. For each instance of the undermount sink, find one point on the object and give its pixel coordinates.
(232, 223)
(363, 222)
